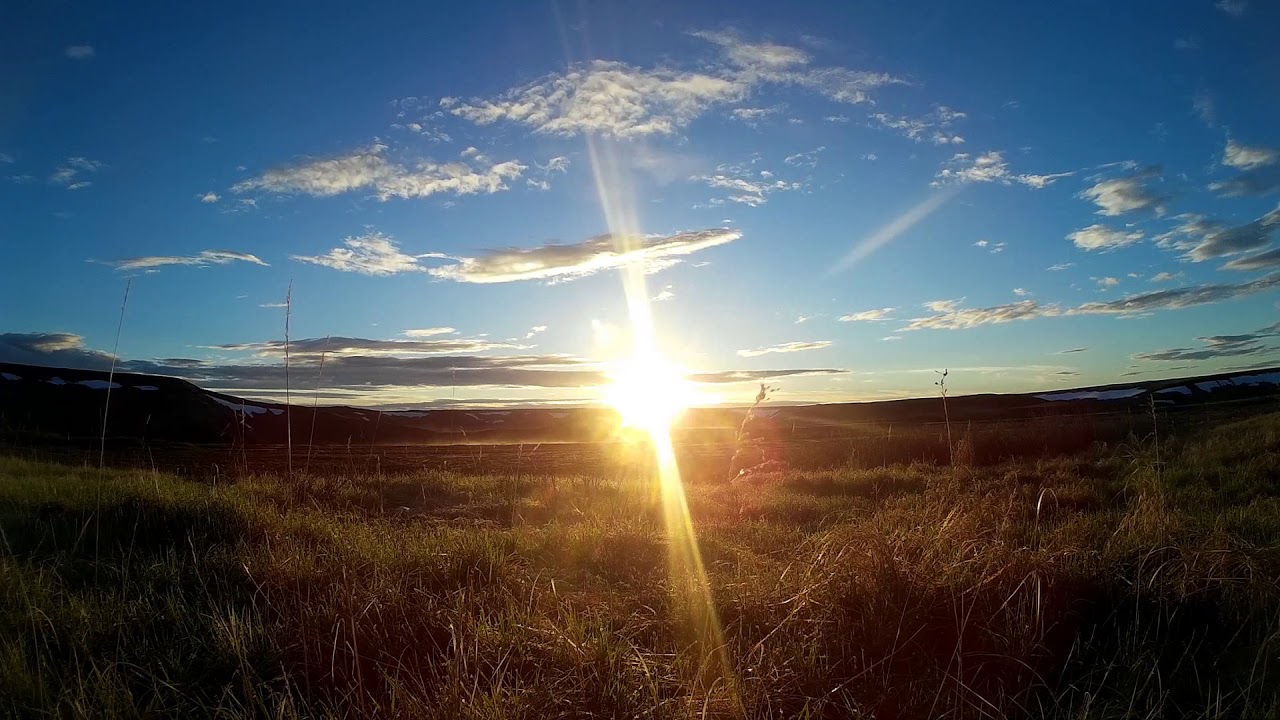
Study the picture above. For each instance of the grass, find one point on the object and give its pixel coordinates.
(1097, 585)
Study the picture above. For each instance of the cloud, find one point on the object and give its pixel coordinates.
(789, 347)
(738, 376)
(6, 159)
(932, 125)
(1216, 346)
(1072, 350)
(69, 173)
(335, 346)
(369, 254)
(616, 99)
(1126, 194)
(808, 159)
(1178, 298)
(605, 98)
(954, 318)
(989, 167)
(1100, 237)
(755, 116)
(566, 262)
(867, 315)
(370, 168)
(1205, 108)
(1060, 267)
(1021, 292)
(1244, 157)
(1108, 282)
(429, 332)
(378, 367)
(1165, 277)
(1260, 168)
(201, 259)
(890, 338)
(1234, 8)
(209, 197)
(273, 305)
(535, 330)
(993, 248)
(664, 295)
(79, 52)
(943, 306)
(1208, 239)
(747, 185)
(1260, 261)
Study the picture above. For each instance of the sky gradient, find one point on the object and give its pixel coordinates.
(836, 198)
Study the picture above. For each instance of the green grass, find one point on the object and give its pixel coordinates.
(1101, 585)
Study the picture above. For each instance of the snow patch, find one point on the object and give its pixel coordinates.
(246, 409)
(1094, 394)
(1258, 379)
(10, 376)
(99, 384)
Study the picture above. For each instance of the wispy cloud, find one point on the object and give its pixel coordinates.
(371, 169)
(79, 52)
(933, 126)
(1178, 298)
(1260, 261)
(357, 364)
(954, 318)
(867, 315)
(807, 159)
(1165, 276)
(202, 259)
(1206, 239)
(747, 185)
(616, 99)
(1234, 8)
(209, 197)
(1072, 350)
(989, 167)
(565, 262)
(790, 347)
(370, 254)
(429, 332)
(70, 172)
(1216, 346)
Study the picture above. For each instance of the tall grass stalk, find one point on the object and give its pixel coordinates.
(111, 376)
(288, 416)
(315, 403)
(946, 415)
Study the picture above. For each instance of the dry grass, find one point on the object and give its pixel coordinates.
(1104, 585)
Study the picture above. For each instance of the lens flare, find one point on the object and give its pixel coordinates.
(649, 392)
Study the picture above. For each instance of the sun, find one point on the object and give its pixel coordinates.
(649, 392)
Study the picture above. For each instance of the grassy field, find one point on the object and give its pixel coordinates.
(1132, 580)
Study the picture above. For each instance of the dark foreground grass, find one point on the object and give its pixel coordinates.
(1110, 584)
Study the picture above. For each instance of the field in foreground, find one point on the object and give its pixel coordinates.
(1138, 580)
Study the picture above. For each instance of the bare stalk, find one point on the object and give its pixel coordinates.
(111, 376)
(942, 388)
(288, 421)
(315, 402)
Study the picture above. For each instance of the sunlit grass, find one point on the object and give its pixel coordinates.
(1075, 587)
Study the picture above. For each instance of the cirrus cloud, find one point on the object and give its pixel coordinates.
(789, 347)
(201, 259)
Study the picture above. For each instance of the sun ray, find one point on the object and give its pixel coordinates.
(649, 392)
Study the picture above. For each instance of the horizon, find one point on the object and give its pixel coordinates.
(836, 201)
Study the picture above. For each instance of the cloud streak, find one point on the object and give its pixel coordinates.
(370, 169)
(789, 347)
(201, 259)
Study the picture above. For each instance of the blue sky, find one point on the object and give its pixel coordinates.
(838, 198)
